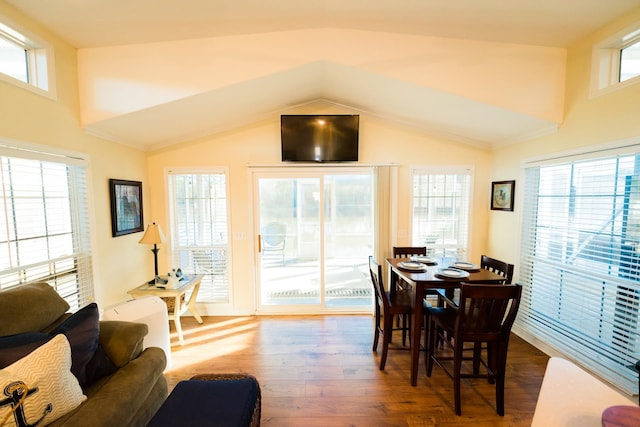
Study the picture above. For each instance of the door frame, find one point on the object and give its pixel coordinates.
(295, 171)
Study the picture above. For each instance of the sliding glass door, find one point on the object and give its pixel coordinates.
(315, 232)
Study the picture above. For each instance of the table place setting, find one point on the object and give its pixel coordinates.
(424, 260)
(412, 265)
(452, 273)
(464, 265)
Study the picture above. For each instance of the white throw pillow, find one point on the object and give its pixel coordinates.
(45, 374)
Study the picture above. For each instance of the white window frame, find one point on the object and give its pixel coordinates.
(69, 273)
(605, 62)
(460, 249)
(40, 61)
(586, 313)
(182, 255)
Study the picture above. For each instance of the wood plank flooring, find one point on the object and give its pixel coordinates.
(319, 371)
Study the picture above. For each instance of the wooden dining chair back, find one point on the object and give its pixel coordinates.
(499, 267)
(409, 251)
(385, 311)
(485, 314)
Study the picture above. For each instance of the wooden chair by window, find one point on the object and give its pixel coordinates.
(485, 314)
(273, 239)
(499, 267)
(385, 311)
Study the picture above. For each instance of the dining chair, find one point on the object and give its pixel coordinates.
(408, 252)
(431, 295)
(385, 311)
(499, 267)
(485, 314)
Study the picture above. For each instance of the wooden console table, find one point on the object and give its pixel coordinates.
(186, 284)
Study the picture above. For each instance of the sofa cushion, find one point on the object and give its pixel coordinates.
(82, 330)
(122, 341)
(29, 308)
(41, 385)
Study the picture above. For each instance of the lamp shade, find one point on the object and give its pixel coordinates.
(153, 235)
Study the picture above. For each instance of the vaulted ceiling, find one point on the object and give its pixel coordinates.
(91, 24)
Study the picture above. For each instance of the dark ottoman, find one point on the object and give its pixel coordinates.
(214, 400)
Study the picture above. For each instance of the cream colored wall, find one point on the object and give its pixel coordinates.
(119, 263)
(605, 119)
(259, 144)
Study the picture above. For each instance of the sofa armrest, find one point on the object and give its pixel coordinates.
(122, 341)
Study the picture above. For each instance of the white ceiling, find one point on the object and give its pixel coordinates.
(94, 23)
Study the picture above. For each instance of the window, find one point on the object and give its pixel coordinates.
(200, 230)
(26, 62)
(580, 260)
(616, 62)
(630, 61)
(45, 223)
(440, 217)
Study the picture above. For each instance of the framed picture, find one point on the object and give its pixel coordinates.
(126, 207)
(502, 195)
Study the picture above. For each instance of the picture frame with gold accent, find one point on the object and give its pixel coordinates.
(502, 195)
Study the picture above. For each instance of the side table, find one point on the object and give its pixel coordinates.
(186, 284)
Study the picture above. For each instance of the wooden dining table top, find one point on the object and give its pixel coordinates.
(429, 279)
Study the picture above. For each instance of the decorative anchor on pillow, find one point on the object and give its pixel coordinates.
(16, 393)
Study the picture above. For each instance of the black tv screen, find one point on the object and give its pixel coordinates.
(319, 138)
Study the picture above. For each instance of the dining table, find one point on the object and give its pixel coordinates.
(433, 273)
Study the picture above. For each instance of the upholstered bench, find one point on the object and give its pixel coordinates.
(221, 400)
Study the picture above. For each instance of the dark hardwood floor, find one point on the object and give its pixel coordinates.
(319, 371)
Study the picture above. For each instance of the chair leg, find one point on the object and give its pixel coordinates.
(430, 340)
(376, 330)
(386, 339)
(457, 364)
(500, 394)
(499, 367)
(477, 354)
(492, 361)
(406, 329)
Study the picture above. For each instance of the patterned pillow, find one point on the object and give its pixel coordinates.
(40, 386)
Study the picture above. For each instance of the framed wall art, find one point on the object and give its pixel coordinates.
(126, 207)
(502, 195)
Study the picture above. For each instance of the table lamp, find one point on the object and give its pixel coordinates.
(153, 236)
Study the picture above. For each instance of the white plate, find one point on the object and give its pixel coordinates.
(463, 265)
(413, 266)
(423, 259)
(453, 273)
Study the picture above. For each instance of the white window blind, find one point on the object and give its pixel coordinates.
(440, 221)
(580, 265)
(200, 231)
(44, 234)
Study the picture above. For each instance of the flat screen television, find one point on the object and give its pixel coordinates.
(319, 138)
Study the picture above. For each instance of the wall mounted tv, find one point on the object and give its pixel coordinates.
(319, 138)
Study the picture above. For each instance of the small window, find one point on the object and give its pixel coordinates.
(25, 62)
(630, 61)
(616, 61)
